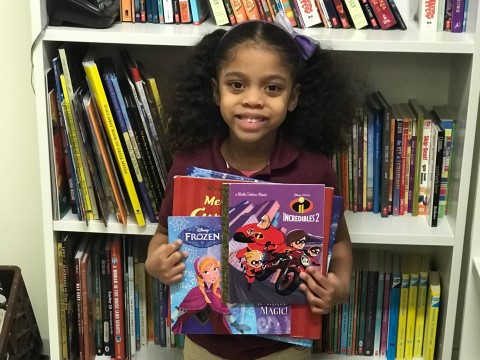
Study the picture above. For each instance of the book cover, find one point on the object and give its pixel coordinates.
(371, 302)
(421, 305)
(239, 11)
(437, 164)
(70, 173)
(118, 297)
(428, 15)
(420, 117)
(424, 183)
(377, 110)
(397, 14)
(100, 141)
(383, 13)
(379, 308)
(196, 301)
(103, 106)
(458, 13)
(356, 14)
(369, 14)
(385, 154)
(203, 197)
(337, 212)
(309, 13)
(342, 15)
(128, 140)
(362, 302)
(218, 12)
(60, 186)
(403, 306)
(396, 279)
(431, 317)
(448, 123)
(281, 224)
(199, 10)
(414, 263)
(386, 302)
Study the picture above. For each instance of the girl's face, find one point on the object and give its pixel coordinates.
(210, 274)
(254, 91)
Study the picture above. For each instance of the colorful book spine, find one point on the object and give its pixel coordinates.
(431, 317)
(458, 13)
(100, 96)
(251, 9)
(383, 13)
(394, 307)
(421, 306)
(356, 13)
(403, 307)
(415, 262)
(428, 15)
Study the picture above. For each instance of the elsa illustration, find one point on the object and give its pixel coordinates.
(202, 311)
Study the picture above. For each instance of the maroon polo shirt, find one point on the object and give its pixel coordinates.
(287, 165)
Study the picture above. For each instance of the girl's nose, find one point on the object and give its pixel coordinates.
(253, 97)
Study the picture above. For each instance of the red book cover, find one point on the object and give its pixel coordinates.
(117, 294)
(403, 166)
(383, 13)
(203, 197)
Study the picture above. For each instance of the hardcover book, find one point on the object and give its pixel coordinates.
(272, 232)
(196, 302)
(206, 194)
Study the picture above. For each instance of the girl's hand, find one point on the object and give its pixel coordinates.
(166, 262)
(322, 291)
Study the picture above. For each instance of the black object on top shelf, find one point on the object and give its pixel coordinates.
(99, 14)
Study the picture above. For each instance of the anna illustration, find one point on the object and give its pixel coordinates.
(202, 311)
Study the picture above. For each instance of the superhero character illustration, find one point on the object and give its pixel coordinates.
(252, 265)
(202, 311)
(261, 236)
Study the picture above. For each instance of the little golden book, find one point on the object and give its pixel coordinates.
(196, 302)
(272, 233)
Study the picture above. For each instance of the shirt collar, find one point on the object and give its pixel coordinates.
(283, 155)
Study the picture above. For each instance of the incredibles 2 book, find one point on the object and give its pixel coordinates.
(272, 233)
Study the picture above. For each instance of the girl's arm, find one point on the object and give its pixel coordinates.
(342, 260)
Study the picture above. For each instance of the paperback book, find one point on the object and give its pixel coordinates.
(196, 302)
(272, 233)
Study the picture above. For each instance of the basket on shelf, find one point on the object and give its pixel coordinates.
(19, 335)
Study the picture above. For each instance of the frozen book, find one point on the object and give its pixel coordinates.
(196, 302)
(207, 173)
(272, 233)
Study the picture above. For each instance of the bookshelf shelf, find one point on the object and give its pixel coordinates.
(436, 68)
(410, 40)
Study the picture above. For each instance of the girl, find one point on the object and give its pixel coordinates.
(258, 101)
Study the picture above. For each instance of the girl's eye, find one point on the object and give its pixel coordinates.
(236, 85)
(272, 88)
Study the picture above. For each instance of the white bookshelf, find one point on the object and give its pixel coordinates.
(435, 68)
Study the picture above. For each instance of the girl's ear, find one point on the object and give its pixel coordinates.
(216, 92)
(292, 103)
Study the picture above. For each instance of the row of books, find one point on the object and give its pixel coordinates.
(108, 149)
(399, 159)
(109, 305)
(392, 311)
(436, 15)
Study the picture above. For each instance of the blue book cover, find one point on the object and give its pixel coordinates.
(377, 151)
(119, 117)
(207, 173)
(196, 301)
(396, 279)
(370, 147)
(337, 212)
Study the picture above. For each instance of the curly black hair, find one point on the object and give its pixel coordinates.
(325, 111)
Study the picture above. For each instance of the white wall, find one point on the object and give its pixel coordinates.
(20, 220)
